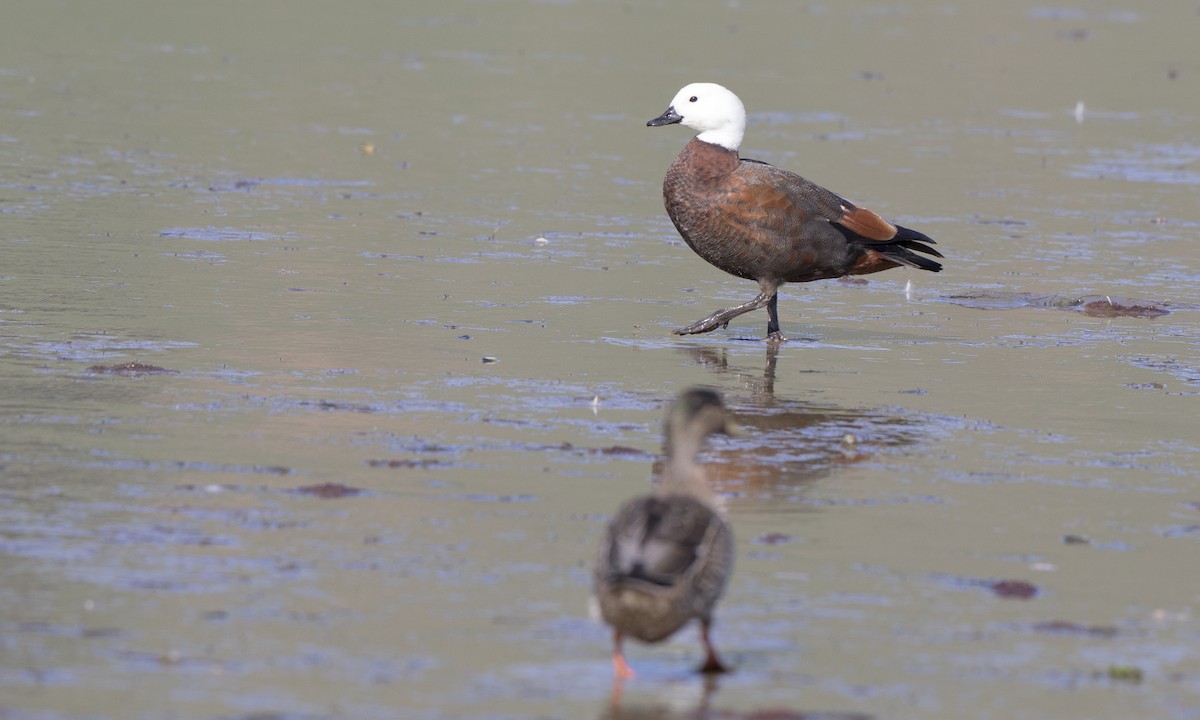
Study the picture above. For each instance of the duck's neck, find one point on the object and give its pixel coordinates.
(682, 473)
(704, 160)
(729, 135)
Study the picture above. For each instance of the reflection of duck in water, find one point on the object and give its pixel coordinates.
(666, 557)
(793, 442)
(675, 701)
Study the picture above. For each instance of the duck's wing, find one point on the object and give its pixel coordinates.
(789, 192)
(659, 541)
(785, 199)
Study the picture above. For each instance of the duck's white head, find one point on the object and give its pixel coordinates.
(711, 110)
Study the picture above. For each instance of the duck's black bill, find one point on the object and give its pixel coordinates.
(670, 117)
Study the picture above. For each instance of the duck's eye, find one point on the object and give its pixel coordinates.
(693, 99)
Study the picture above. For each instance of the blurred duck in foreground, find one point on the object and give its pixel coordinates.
(666, 557)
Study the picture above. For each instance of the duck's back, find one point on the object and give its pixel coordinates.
(664, 561)
(755, 220)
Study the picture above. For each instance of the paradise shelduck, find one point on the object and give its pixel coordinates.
(756, 221)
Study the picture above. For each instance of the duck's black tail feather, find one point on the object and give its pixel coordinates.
(900, 249)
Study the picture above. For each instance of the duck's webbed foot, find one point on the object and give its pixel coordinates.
(721, 318)
(708, 324)
(712, 663)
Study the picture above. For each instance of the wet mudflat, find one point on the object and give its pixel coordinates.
(332, 336)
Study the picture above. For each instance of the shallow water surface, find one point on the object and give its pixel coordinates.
(332, 337)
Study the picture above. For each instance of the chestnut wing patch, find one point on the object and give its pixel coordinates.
(870, 226)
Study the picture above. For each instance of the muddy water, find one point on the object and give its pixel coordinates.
(410, 274)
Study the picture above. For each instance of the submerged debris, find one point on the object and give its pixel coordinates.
(773, 538)
(1091, 305)
(609, 451)
(131, 369)
(408, 463)
(1015, 589)
(617, 450)
(1066, 627)
(1108, 308)
(328, 491)
(342, 407)
(1125, 673)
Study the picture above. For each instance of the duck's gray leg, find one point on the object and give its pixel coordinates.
(712, 663)
(721, 318)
